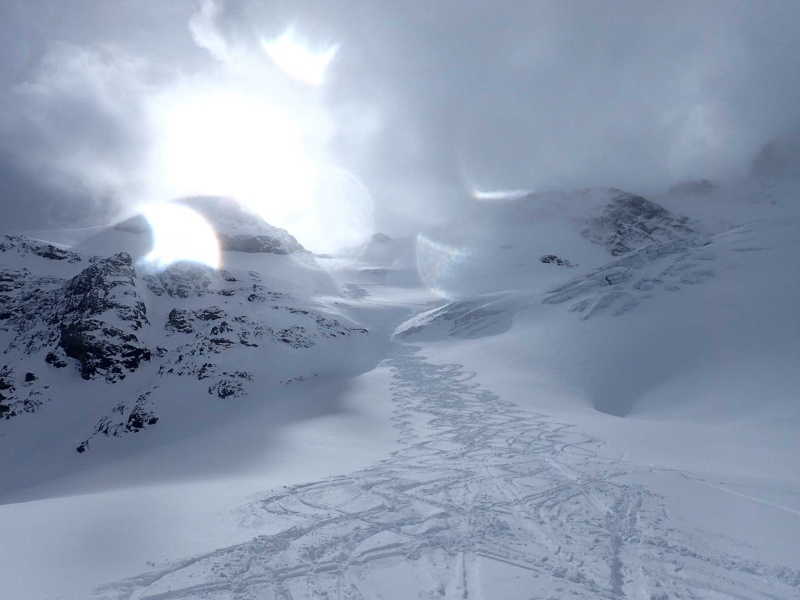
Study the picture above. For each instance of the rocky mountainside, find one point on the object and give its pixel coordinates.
(629, 221)
(654, 250)
(534, 241)
(109, 344)
(236, 229)
(118, 344)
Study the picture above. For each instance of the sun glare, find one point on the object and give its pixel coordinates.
(230, 145)
(297, 59)
(179, 233)
(479, 194)
(226, 144)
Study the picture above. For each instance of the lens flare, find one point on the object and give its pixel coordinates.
(339, 214)
(482, 193)
(297, 59)
(180, 234)
(498, 195)
(438, 265)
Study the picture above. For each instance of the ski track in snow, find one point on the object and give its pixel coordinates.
(481, 494)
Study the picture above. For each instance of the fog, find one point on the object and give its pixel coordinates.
(424, 107)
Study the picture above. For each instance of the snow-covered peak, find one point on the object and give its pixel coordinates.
(629, 221)
(237, 229)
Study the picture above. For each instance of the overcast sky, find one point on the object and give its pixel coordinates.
(424, 104)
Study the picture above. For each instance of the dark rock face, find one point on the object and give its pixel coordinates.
(139, 419)
(8, 408)
(108, 285)
(552, 259)
(101, 350)
(630, 222)
(178, 321)
(55, 359)
(104, 290)
(107, 321)
(227, 388)
(79, 314)
(18, 396)
(130, 420)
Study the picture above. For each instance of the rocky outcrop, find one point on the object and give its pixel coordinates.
(100, 295)
(629, 222)
(181, 280)
(552, 259)
(106, 321)
(237, 229)
(123, 420)
(92, 318)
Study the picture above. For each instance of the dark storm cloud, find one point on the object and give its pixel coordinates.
(432, 99)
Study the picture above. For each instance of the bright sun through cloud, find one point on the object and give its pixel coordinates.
(236, 145)
(264, 151)
(297, 59)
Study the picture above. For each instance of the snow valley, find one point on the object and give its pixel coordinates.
(583, 394)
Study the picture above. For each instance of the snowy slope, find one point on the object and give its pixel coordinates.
(98, 349)
(681, 327)
(586, 395)
(529, 242)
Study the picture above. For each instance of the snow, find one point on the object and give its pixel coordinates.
(509, 428)
(186, 497)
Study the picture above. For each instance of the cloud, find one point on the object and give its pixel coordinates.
(205, 33)
(467, 95)
(73, 125)
(424, 102)
(93, 122)
(81, 108)
(574, 94)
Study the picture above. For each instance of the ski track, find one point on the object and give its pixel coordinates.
(480, 493)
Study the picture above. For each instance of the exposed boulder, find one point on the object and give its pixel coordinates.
(552, 259)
